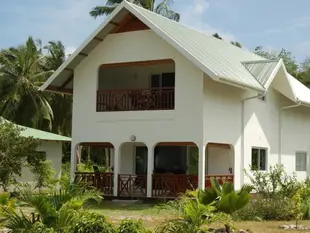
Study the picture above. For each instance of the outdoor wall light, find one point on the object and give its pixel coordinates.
(132, 138)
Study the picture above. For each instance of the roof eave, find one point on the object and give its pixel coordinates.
(242, 86)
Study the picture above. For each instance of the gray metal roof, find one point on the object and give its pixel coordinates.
(261, 70)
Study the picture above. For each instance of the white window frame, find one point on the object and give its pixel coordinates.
(266, 159)
(301, 169)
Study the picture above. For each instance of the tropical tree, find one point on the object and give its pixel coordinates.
(53, 212)
(60, 103)
(227, 199)
(288, 58)
(14, 151)
(162, 8)
(236, 43)
(21, 75)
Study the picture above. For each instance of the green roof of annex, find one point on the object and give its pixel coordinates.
(38, 134)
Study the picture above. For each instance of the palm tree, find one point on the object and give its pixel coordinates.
(61, 104)
(162, 8)
(54, 211)
(21, 75)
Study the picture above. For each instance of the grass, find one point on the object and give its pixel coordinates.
(151, 217)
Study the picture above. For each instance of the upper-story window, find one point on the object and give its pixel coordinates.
(136, 86)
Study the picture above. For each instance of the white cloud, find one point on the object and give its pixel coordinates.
(300, 22)
(200, 6)
(296, 23)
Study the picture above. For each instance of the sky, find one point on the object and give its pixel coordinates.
(273, 24)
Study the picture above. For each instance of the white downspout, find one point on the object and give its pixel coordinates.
(298, 103)
(242, 132)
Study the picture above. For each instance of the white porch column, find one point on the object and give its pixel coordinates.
(202, 166)
(150, 169)
(74, 150)
(116, 170)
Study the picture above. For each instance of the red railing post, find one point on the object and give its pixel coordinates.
(102, 181)
(221, 178)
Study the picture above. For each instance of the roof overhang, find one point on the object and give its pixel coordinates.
(62, 79)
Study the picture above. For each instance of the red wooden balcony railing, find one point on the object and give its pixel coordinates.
(171, 185)
(221, 179)
(132, 185)
(102, 181)
(135, 99)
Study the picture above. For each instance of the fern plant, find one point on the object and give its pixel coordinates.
(56, 210)
(226, 199)
(191, 216)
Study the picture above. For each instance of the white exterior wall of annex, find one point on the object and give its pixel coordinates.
(53, 150)
(182, 124)
(295, 137)
(222, 124)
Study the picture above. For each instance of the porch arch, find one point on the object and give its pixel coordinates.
(98, 157)
(219, 162)
(172, 175)
(132, 174)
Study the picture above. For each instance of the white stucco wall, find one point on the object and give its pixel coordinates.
(296, 137)
(222, 124)
(219, 160)
(182, 124)
(53, 151)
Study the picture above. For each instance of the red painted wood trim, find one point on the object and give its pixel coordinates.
(139, 63)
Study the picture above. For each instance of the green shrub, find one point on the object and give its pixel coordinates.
(65, 174)
(306, 208)
(274, 183)
(82, 167)
(266, 209)
(39, 227)
(132, 226)
(91, 223)
(4, 198)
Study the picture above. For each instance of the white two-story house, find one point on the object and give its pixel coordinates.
(176, 106)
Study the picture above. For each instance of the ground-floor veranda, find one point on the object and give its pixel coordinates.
(161, 171)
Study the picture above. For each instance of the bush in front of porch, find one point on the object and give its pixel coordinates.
(196, 210)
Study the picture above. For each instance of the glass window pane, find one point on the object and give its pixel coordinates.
(301, 161)
(254, 164)
(141, 160)
(262, 158)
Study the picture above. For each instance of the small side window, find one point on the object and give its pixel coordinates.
(259, 159)
(301, 161)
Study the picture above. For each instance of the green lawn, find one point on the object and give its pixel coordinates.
(117, 211)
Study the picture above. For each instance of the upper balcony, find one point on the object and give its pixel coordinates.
(138, 86)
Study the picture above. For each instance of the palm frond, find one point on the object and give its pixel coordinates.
(101, 10)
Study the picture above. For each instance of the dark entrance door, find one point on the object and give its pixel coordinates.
(141, 160)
